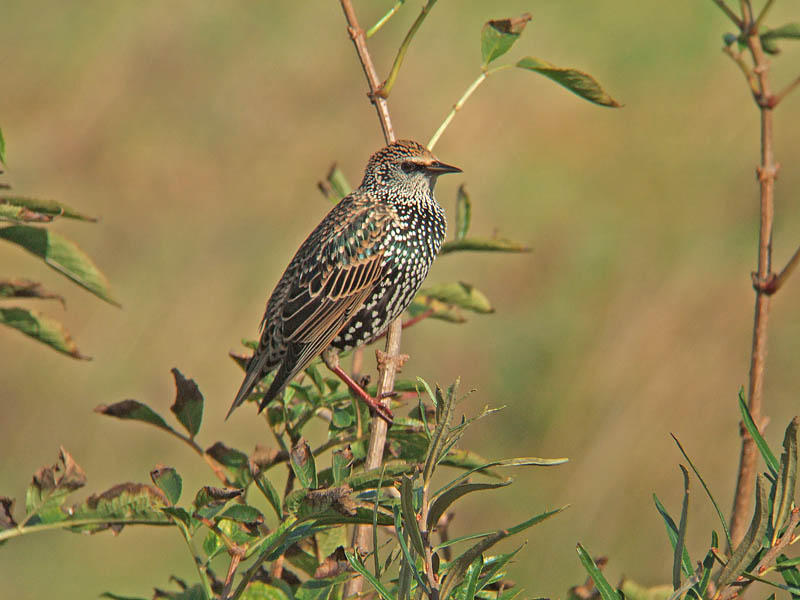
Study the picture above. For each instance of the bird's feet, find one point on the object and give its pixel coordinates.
(331, 360)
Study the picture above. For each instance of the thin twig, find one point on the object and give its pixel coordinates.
(726, 9)
(745, 69)
(766, 176)
(387, 86)
(384, 19)
(781, 278)
(460, 104)
(762, 15)
(359, 40)
(785, 92)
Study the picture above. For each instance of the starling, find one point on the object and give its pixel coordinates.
(355, 273)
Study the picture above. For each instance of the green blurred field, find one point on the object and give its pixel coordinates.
(198, 131)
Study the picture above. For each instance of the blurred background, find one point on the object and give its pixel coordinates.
(197, 133)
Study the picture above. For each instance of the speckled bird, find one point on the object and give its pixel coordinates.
(357, 271)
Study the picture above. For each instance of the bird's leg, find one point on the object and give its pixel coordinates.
(331, 360)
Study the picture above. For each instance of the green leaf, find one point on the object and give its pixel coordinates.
(469, 588)
(41, 328)
(577, 82)
(62, 255)
(188, 405)
(747, 419)
(463, 212)
(600, 582)
(786, 484)
(45, 207)
(789, 573)
(259, 590)
(433, 309)
(708, 491)
(318, 589)
(443, 501)
(410, 523)
(458, 294)
(789, 31)
(680, 542)
(209, 501)
(169, 482)
(499, 35)
(335, 187)
(235, 461)
(49, 488)
(2, 148)
(672, 533)
(243, 513)
(303, 464)
(477, 463)
(270, 493)
(341, 462)
(113, 596)
(25, 288)
(752, 541)
(181, 516)
(458, 567)
(20, 214)
(126, 503)
(358, 566)
(482, 245)
(133, 410)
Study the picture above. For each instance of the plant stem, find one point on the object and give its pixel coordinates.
(785, 91)
(23, 530)
(762, 15)
(357, 35)
(384, 19)
(387, 367)
(766, 176)
(726, 9)
(459, 105)
(387, 86)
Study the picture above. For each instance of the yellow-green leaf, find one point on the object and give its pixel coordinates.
(45, 207)
(41, 328)
(62, 255)
(577, 82)
(499, 35)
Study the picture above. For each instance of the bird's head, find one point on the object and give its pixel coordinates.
(407, 166)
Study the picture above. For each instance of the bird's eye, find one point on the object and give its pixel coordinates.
(410, 167)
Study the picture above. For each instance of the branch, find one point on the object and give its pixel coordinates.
(785, 92)
(745, 68)
(387, 368)
(360, 42)
(767, 171)
(774, 282)
(387, 86)
(731, 15)
(384, 19)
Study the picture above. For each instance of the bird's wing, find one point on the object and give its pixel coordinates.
(334, 281)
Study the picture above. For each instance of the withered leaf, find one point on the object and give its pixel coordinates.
(7, 513)
(188, 406)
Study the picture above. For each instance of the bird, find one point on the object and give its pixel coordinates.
(355, 273)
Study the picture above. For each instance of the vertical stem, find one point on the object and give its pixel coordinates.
(766, 176)
(387, 367)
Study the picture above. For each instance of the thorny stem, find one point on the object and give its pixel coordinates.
(460, 104)
(767, 172)
(387, 86)
(388, 367)
(384, 19)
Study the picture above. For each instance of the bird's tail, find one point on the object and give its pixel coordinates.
(251, 378)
